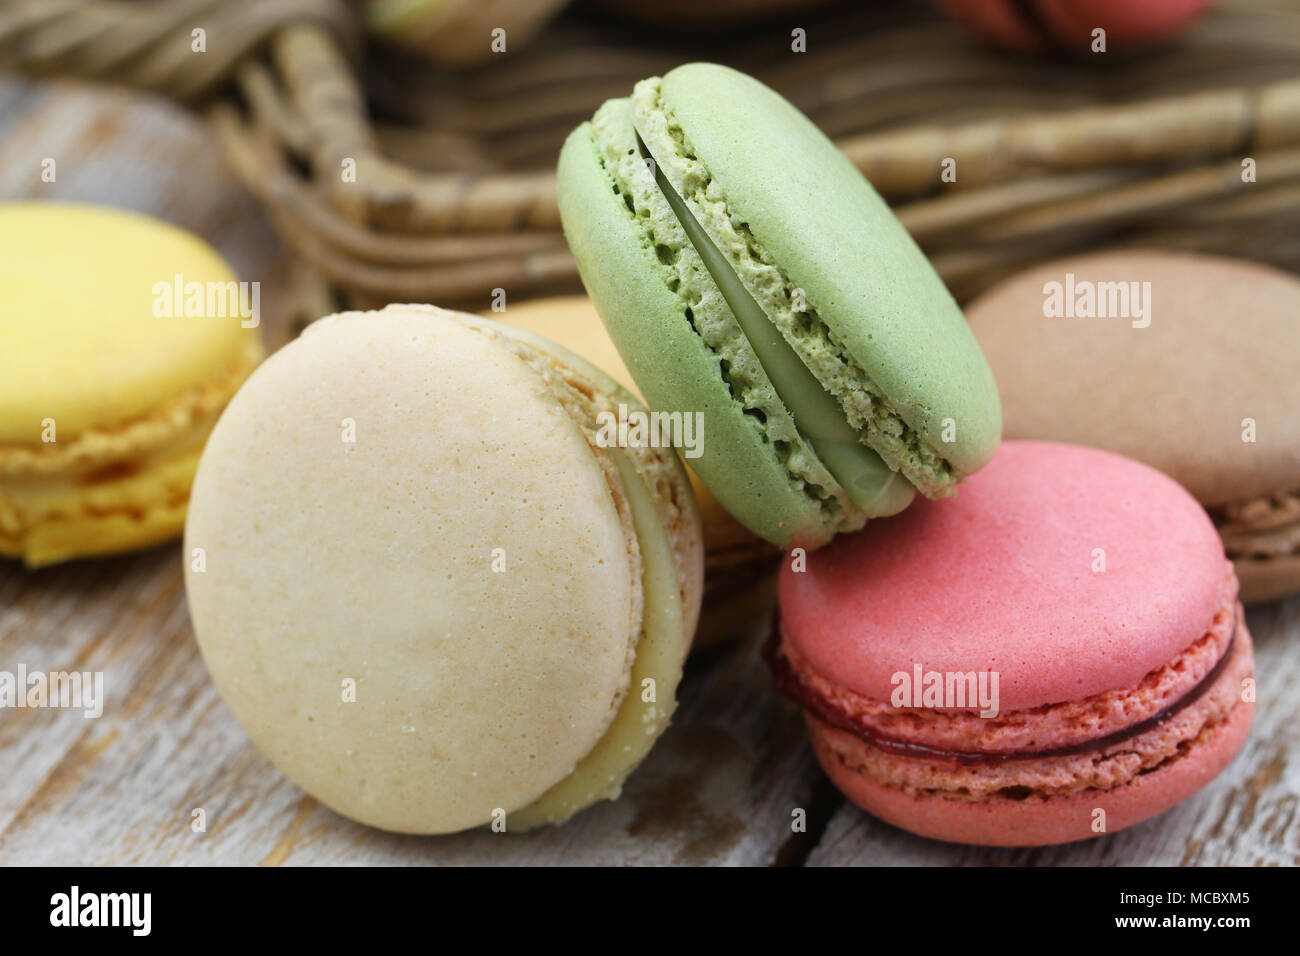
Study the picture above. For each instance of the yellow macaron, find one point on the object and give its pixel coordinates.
(122, 338)
(740, 568)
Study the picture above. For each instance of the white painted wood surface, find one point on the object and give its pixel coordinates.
(719, 789)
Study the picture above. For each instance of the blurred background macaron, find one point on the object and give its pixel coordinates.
(1069, 24)
(739, 567)
(457, 32)
(122, 339)
(705, 14)
(1056, 654)
(1186, 362)
(437, 598)
(750, 275)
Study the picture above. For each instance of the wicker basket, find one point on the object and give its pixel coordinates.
(454, 196)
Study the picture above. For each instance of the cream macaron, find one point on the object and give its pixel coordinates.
(425, 587)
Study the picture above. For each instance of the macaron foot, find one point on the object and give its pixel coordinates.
(1084, 791)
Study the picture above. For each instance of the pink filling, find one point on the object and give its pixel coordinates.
(1103, 769)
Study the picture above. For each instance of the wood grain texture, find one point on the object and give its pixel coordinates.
(720, 788)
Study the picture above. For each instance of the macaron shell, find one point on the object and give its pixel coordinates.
(1071, 22)
(660, 513)
(1034, 25)
(457, 32)
(674, 368)
(572, 322)
(104, 404)
(1221, 349)
(730, 605)
(1002, 578)
(662, 647)
(830, 233)
(661, 474)
(997, 20)
(1037, 821)
(45, 519)
(373, 561)
(82, 344)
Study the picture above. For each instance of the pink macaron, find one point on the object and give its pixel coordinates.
(1042, 24)
(1056, 653)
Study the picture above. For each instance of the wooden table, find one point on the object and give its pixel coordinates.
(722, 786)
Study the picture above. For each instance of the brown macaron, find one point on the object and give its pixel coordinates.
(1190, 363)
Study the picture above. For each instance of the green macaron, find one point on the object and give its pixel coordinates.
(747, 272)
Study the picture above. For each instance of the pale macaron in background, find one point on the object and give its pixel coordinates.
(1035, 25)
(423, 587)
(720, 15)
(1082, 604)
(1197, 375)
(739, 567)
(748, 272)
(115, 370)
(457, 32)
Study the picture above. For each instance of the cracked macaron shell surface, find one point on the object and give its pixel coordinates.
(880, 331)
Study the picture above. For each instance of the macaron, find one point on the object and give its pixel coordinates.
(457, 32)
(123, 338)
(739, 567)
(422, 584)
(1186, 362)
(1057, 654)
(1042, 24)
(750, 276)
(705, 14)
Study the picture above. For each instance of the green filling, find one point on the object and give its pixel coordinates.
(870, 484)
